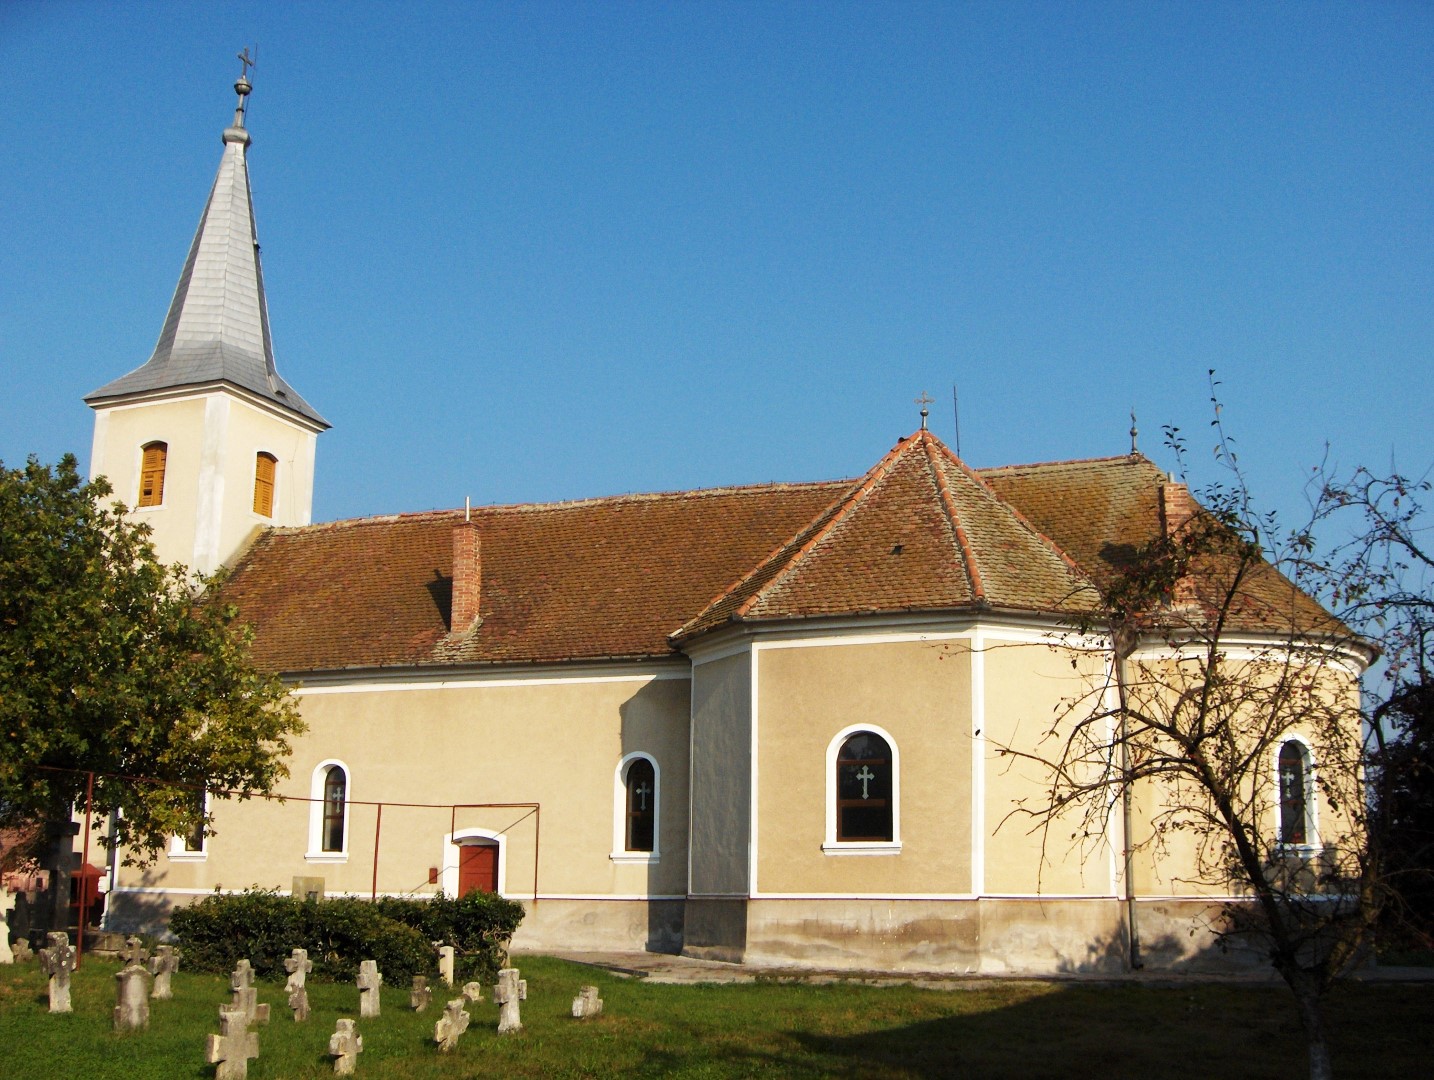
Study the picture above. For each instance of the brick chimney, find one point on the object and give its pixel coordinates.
(1176, 507)
(467, 577)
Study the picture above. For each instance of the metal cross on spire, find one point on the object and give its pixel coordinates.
(242, 85)
(1134, 432)
(924, 400)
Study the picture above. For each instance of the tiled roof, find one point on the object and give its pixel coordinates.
(564, 581)
(638, 576)
(217, 329)
(920, 532)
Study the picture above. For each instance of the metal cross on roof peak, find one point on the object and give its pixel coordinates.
(246, 63)
(924, 400)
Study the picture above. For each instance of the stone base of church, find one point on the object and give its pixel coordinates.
(601, 926)
(1008, 936)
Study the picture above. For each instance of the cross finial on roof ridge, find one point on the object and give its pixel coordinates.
(924, 400)
(1134, 433)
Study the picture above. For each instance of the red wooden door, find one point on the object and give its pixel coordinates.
(477, 868)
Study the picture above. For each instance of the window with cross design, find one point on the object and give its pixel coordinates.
(641, 805)
(864, 789)
(637, 809)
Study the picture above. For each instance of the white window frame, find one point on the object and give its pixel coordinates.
(620, 854)
(1311, 844)
(177, 850)
(833, 846)
(449, 859)
(316, 852)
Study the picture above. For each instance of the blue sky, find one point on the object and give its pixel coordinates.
(524, 252)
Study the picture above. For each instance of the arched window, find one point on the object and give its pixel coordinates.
(637, 804)
(863, 793)
(264, 466)
(329, 796)
(641, 805)
(1294, 770)
(863, 789)
(151, 474)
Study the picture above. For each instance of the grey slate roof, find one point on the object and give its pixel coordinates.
(217, 329)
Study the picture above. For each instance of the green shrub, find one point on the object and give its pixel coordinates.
(479, 926)
(263, 926)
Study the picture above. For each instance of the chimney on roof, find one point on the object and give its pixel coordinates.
(1177, 507)
(467, 577)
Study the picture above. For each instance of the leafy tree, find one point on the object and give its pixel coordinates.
(111, 664)
(1228, 724)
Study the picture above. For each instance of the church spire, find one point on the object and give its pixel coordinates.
(217, 329)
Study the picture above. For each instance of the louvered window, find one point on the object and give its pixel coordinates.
(264, 466)
(151, 474)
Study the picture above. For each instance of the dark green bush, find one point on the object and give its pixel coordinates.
(478, 926)
(262, 927)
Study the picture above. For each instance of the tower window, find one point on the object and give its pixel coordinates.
(151, 474)
(264, 466)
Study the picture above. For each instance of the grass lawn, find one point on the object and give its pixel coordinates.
(1026, 1030)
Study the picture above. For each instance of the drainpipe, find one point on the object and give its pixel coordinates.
(1125, 639)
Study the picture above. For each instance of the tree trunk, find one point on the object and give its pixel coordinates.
(1311, 1006)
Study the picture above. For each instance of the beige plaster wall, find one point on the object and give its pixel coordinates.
(1029, 686)
(556, 743)
(919, 692)
(721, 775)
(1180, 854)
(213, 440)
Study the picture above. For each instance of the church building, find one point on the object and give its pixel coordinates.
(766, 724)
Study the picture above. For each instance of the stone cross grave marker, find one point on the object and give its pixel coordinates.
(587, 1003)
(345, 1045)
(7, 903)
(472, 992)
(453, 1023)
(420, 996)
(509, 991)
(232, 1048)
(22, 952)
(163, 964)
(445, 964)
(246, 997)
(132, 998)
(298, 966)
(369, 980)
(133, 952)
(58, 961)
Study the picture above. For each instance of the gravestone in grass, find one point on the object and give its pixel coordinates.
(163, 964)
(345, 1045)
(246, 997)
(587, 1003)
(58, 961)
(298, 966)
(232, 1048)
(509, 991)
(453, 1023)
(132, 998)
(445, 964)
(22, 952)
(420, 996)
(133, 952)
(472, 992)
(7, 904)
(369, 980)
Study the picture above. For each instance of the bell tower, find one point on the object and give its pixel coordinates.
(205, 441)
